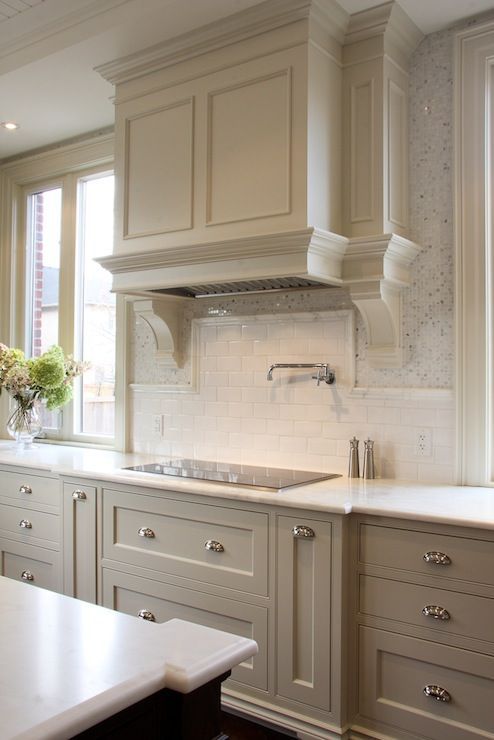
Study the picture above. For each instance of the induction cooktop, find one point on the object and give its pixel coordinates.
(272, 479)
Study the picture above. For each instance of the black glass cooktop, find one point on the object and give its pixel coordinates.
(273, 479)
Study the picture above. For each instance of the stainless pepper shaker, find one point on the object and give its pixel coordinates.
(353, 462)
(369, 470)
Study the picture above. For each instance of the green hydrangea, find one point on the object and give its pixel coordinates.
(58, 397)
(48, 371)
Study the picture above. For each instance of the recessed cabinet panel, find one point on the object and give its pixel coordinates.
(397, 184)
(446, 556)
(158, 173)
(30, 489)
(303, 622)
(31, 565)
(362, 148)
(404, 602)
(219, 545)
(249, 149)
(162, 601)
(394, 670)
(28, 525)
(79, 518)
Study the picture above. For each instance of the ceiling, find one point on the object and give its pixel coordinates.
(49, 48)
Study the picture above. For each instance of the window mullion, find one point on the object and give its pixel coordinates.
(67, 283)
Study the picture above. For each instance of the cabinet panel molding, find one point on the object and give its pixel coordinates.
(249, 149)
(158, 177)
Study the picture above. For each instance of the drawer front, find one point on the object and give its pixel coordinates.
(32, 565)
(28, 525)
(131, 594)
(469, 559)
(28, 488)
(469, 616)
(394, 670)
(177, 540)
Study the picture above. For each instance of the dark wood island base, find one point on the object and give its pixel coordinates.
(167, 715)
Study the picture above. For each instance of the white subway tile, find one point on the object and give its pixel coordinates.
(240, 380)
(266, 411)
(256, 330)
(229, 332)
(293, 444)
(243, 348)
(229, 394)
(253, 426)
(217, 349)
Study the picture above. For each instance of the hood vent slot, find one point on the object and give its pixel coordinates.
(243, 286)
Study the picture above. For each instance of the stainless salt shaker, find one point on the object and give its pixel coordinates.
(353, 463)
(369, 470)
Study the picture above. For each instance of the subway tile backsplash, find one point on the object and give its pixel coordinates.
(237, 415)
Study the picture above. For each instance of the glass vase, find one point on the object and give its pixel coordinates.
(24, 422)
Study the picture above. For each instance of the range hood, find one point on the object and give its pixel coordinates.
(268, 151)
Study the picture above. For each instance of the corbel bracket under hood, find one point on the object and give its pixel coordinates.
(375, 270)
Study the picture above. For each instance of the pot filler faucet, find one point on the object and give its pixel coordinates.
(323, 370)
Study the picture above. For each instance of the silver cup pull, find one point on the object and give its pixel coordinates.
(214, 546)
(436, 612)
(79, 495)
(437, 693)
(25, 489)
(302, 531)
(147, 615)
(145, 532)
(26, 575)
(437, 558)
(25, 524)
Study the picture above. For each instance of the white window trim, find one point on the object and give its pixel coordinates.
(474, 137)
(15, 177)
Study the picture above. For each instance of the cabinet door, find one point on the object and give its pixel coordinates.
(79, 514)
(303, 610)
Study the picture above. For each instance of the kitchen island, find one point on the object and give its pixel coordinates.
(66, 666)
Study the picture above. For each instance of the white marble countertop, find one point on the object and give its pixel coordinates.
(66, 665)
(461, 505)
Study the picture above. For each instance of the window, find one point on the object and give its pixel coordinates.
(67, 295)
(62, 199)
(474, 123)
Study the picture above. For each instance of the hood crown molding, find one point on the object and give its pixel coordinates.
(227, 31)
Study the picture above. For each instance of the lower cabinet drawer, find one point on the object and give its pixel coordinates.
(394, 670)
(29, 488)
(446, 611)
(162, 601)
(208, 543)
(32, 565)
(28, 525)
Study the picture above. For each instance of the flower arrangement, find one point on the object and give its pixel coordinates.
(48, 377)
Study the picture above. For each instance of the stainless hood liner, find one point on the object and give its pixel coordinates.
(242, 286)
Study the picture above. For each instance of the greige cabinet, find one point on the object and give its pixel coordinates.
(81, 544)
(30, 527)
(264, 572)
(424, 632)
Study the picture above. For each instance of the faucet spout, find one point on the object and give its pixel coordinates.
(324, 371)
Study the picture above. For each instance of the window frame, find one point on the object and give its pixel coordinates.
(474, 145)
(64, 165)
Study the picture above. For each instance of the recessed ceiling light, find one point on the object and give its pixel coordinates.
(10, 125)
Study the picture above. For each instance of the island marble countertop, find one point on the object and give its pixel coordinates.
(66, 665)
(461, 505)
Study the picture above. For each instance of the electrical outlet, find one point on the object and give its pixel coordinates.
(158, 424)
(423, 443)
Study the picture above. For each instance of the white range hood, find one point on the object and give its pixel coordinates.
(268, 152)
